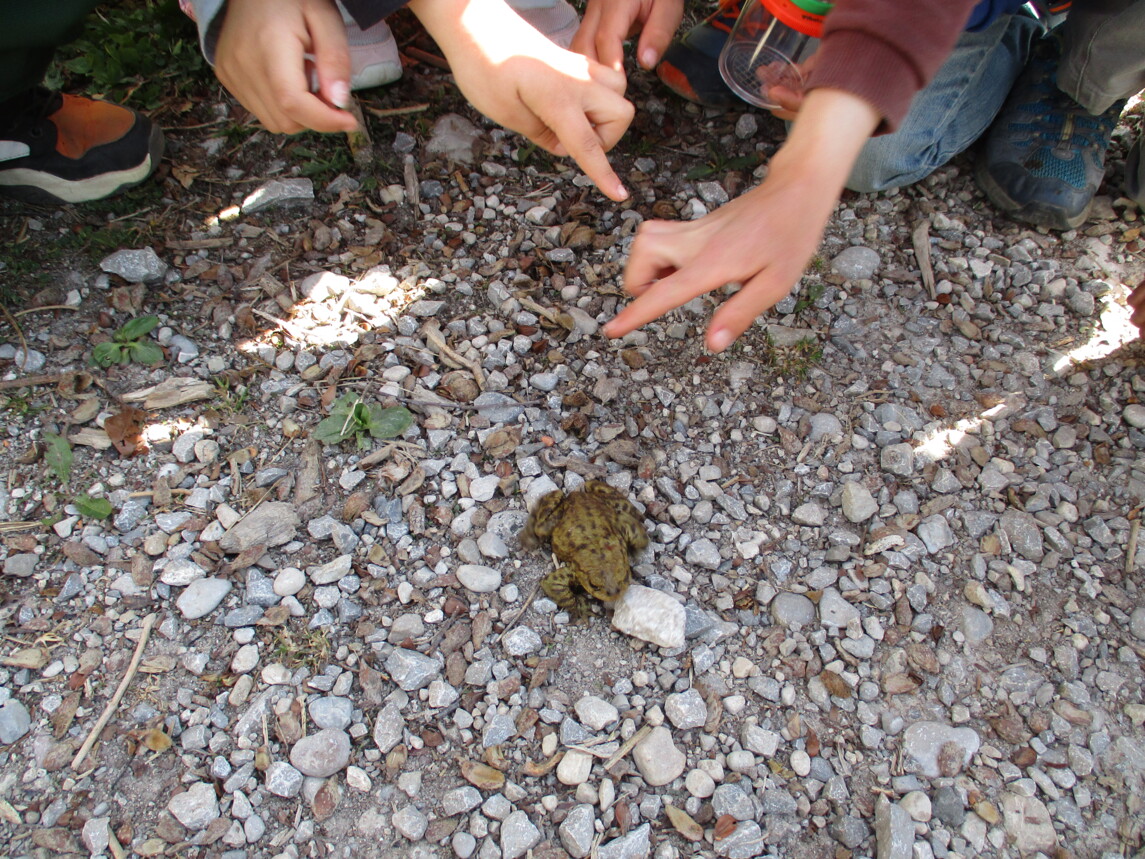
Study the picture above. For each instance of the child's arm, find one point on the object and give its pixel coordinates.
(563, 102)
(762, 240)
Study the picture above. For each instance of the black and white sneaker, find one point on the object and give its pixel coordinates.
(57, 148)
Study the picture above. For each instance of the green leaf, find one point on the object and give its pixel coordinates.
(146, 352)
(331, 430)
(389, 422)
(345, 406)
(58, 456)
(138, 327)
(107, 353)
(93, 508)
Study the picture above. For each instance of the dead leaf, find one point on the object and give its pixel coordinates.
(326, 800)
(126, 431)
(482, 776)
(184, 175)
(248, 557)
(85, 411)
(623, 817)
(160, 664)
(683, 823)
(33, 658)
(899, 684)
(157, 740)
(1010, 729)
(537, 770)
(64, 714)
(276, 615)
(91, 437)
(79, 554)
(836, 686)
(725, 826)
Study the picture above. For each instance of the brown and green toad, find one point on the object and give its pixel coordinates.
(592, 530)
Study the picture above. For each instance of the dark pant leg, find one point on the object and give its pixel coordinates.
(30, 31)
(1104, 57)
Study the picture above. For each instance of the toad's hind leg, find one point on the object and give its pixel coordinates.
(560, 586)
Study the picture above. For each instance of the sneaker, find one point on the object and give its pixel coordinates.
(556, 19)
(691, 65)
(374, 57)
(64, 149)
(1044, 157)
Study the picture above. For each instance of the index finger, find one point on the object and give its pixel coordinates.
(585, 143)
(666, 294)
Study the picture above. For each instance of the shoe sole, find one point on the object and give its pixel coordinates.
(1039, 214)
(47, 189)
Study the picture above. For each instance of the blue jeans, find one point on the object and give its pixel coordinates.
(953, 111)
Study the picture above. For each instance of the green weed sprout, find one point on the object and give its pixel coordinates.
(127, 345)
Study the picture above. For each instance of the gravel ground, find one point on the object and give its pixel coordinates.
(892, 603)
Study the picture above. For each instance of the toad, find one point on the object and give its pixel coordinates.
(592, 530)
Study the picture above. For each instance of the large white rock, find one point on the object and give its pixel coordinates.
(650, 615)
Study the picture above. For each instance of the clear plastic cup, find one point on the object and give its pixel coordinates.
(765, 48)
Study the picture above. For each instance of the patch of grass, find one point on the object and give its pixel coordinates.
(231, 398)
(296, 648)
(808, 296)
(144, 52)
(532, 154)
(718, 162)
(322, 162)
(21, 406)
(794, 360)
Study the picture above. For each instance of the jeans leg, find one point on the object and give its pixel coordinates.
(1103, 59)
(953, 111)
(30, 31)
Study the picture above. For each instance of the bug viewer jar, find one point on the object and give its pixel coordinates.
(769, 41)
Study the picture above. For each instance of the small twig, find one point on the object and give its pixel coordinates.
(19, 331)
(627, 746)
(359, 140)
(5, 527)
(427, 57)
(136, 658)
(33, 381)
(45, 307)
(289, 327)
(384, 112)
(520, 613)
(1131, 550)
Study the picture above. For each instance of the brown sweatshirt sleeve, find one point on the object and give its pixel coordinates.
(887, 50)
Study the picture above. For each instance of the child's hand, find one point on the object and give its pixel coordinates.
(607, 23)
(259, 58)
(564, 102)
(762, 240)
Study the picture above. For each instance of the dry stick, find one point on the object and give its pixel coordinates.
(34, 381)
(137, 657)
(629, 744)
(45, 307)
(19, 331)
(384, 112)
(1131, 549)
(519, 614)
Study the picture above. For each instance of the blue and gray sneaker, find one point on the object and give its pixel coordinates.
(1044, 157)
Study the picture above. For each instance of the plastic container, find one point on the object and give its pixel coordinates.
(769, 41)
